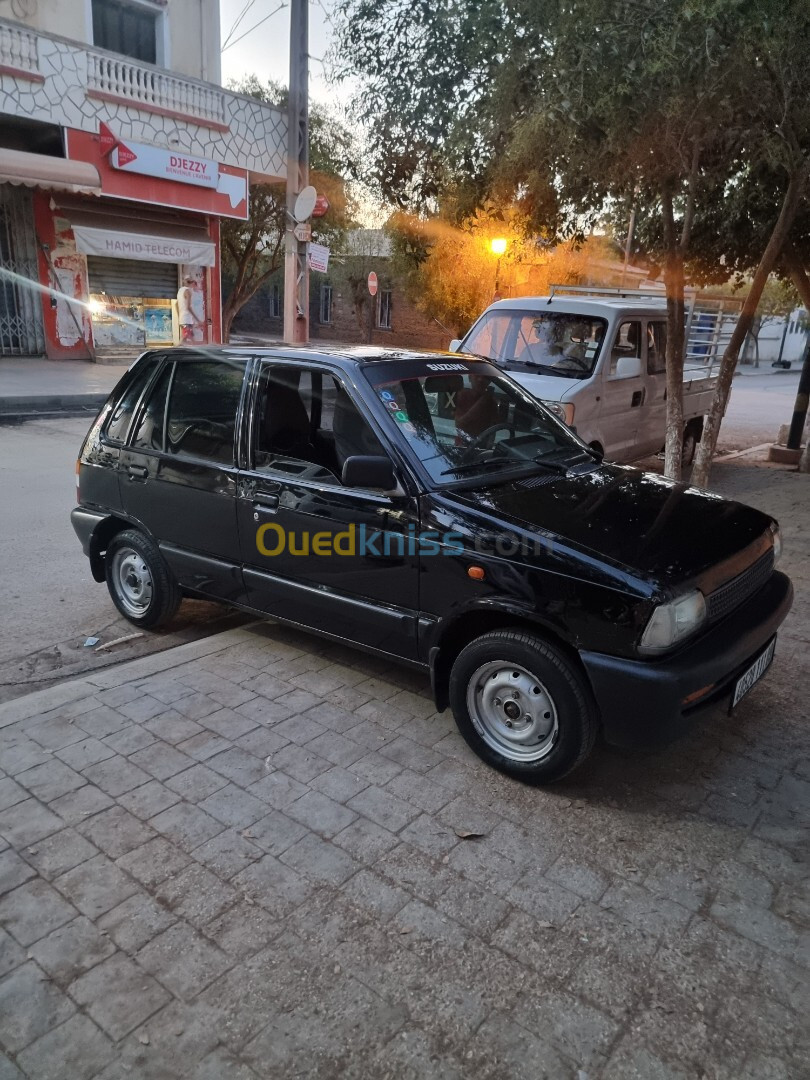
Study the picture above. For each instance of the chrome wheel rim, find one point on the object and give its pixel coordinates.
(133, 582)
(513, 711)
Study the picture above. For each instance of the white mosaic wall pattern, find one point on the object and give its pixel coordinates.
(256, 135)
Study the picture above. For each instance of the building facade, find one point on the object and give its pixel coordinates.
(119, 156)
(341, 308)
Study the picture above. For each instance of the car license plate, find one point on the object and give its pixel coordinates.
(753, 674)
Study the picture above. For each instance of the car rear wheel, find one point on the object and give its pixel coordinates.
(140, 582)
(523, 706)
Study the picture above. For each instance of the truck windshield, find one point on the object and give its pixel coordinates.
(466, 421)
(550, 342)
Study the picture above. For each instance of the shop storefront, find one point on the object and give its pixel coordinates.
(136, 265)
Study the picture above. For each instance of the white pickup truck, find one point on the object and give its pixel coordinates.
(596, 359)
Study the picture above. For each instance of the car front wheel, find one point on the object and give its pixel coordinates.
(140, 582)
(523, 706)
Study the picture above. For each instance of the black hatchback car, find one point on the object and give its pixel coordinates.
(425, 507)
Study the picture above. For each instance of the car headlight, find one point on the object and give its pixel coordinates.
(562, 410)
(776, 536)
(673, 621)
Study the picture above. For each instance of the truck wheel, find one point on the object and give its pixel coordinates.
(522, 706)
(140, 582)
(691, 437)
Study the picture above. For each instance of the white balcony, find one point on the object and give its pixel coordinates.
(44, 77)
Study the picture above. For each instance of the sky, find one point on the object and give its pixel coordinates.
(265, 50)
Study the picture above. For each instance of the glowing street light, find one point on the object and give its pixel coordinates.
(497, 246)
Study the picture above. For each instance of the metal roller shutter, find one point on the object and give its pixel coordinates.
(132, 277)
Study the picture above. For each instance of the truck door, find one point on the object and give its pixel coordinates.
(623, 391)
(653, 417)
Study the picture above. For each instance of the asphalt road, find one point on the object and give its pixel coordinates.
(759, 405)
(50, 603)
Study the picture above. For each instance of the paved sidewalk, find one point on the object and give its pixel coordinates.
(251, 856)
(30, 386)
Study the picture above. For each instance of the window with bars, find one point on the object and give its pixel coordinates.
(325, 313)
(384, 310)
(275, 302)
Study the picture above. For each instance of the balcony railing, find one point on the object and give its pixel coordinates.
(127, 80)
(75, 85)
(18, 49)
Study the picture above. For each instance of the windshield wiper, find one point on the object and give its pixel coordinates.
(470, 466)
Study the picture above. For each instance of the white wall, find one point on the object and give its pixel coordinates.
(770, 338)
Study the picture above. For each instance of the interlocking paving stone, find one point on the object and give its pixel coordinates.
(28, 821)
(32, 910)
(76, 1049)
(278, 790)
(86, 752)
(116, 831)
(383, 808)
(160, 760)
(153, 862)
(30, 1006)
(118, 994)
(234, 806)
(14, 871)
(229, 852)
(195, 893)
(60, 852)
(183, 960)
(96, 886)
(135, 921)
(186, 825)
(11, 954)
(71, 950)
(148, 800)
(116, 775)
(320, 813)
(196, 783)
(320, 860)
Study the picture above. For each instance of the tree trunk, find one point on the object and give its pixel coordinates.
(772, 252)
(673, 280)
(802, 285)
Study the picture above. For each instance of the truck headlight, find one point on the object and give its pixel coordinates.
(562, 410)
(673, 621)
(776, 536)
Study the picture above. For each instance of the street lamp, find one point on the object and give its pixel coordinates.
(497, 246)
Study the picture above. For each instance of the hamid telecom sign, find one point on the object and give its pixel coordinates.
(121, 245)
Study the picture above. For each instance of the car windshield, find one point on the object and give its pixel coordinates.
(465, 420)
(551, 342)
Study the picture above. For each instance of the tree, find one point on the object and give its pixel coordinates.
(451, 272)
(253, 250)
(658, 104)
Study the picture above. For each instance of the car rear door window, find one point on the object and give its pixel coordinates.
(202, 409)
(151, 423)
(121, 417)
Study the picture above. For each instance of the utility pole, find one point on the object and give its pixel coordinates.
(296, 270)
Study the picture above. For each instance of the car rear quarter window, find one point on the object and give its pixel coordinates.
(121, 416)
(202, 409)
(148, 434)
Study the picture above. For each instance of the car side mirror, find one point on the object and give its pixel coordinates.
(454, 345)
(362, 471)
(628, 367)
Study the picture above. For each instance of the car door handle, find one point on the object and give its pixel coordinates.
(267, 505)
(638, 397)
(137, 472)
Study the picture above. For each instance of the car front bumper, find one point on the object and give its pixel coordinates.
(652, 702)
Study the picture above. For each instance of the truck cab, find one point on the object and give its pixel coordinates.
(598, 362)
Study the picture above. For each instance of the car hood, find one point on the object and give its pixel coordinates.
(664, 532)
(545, 387)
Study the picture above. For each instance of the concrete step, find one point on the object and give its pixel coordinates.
(118, 354)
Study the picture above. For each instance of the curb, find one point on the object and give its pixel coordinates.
(52, 697)
(29, 408)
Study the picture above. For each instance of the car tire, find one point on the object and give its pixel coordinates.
(523, 706)
(140, 583)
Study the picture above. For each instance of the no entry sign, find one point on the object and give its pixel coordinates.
(372, 283)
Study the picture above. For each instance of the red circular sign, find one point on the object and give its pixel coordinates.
(372, 283)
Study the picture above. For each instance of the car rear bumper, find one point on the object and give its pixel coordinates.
(84, 524)
(648, 703)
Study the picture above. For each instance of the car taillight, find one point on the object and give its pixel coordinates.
(78, 470)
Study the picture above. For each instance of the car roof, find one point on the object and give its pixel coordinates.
(344, 355)
(583, 306)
